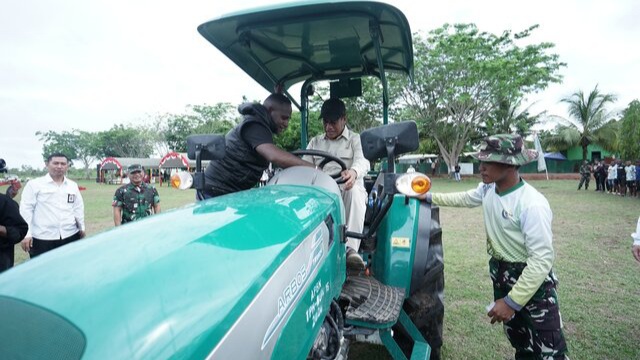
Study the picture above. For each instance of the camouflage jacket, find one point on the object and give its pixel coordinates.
(585, 169)
(136, 201)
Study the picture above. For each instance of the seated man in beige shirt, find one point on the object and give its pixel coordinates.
(341, 142)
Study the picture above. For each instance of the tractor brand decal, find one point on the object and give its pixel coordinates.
(292, 290)
(291, 293)
(403, 242)
(315, 309)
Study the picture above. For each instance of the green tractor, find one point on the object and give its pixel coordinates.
(257, 274)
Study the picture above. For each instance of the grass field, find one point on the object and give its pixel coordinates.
(599, 280)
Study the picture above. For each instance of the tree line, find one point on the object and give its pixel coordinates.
(466, 84)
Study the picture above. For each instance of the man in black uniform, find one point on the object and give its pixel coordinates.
(597, 173)
(250, 148)
(622, 179)
(13, 228)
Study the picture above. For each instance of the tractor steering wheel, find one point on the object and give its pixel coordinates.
(327, 158)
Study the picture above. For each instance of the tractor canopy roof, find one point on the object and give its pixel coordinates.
(285, 44)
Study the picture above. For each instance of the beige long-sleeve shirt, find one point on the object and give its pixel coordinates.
(347, 147)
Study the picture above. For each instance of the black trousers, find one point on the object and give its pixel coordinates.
(39, 246)
(6, 257)
(603, 182)
(208, 193)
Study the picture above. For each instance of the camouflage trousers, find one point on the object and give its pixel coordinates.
(535, 331)
(584, 179)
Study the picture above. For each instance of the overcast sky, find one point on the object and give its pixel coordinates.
(78, 64)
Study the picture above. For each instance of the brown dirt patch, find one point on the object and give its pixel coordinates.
(554, 176)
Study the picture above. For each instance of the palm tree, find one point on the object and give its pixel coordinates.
(507, 118)
(590, 123)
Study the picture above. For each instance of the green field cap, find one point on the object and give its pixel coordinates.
(505, 149)
(134, 168)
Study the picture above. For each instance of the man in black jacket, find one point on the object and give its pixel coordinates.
(13, 229)
(250, 148)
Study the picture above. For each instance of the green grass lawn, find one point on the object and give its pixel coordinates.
(599, 280)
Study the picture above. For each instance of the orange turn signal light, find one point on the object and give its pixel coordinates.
(181, 180)
(175, 181)
(413, 184)
(421, 184)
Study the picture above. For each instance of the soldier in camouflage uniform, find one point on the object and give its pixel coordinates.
(135, 200)
(585, 172)
(517, 221)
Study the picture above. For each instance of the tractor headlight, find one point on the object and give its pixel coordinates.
(413, 184)
(182, 180)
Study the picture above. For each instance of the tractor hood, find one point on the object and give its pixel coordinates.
(171, 285)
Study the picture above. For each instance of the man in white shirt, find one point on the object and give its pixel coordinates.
(52, 206)
(630, 172)
(341, 142)
(612, 173)
(635, 248)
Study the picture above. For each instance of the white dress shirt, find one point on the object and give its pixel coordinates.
(52, 211)
(636, 235)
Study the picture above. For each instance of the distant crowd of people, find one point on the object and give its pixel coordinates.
(617, 177)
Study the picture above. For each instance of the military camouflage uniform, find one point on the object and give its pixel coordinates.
(136, 201)
(505, 149)
(585, 171)
(536, 330)
(519, 240)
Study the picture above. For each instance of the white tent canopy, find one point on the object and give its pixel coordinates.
(416, 158)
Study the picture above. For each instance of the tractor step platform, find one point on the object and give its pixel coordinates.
(371, 303)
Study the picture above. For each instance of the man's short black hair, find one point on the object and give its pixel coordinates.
(276, 98)
(333, 110)
(57, 154)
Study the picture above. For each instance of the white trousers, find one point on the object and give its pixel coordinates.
(355, 206)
